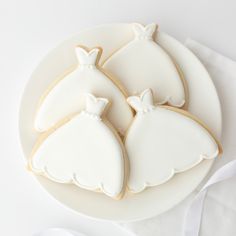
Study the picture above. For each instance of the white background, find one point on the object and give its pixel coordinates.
(28, 30)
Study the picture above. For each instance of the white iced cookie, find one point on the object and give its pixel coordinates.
(142, 64)
(162, 141)
(84, 151)
(67, 96)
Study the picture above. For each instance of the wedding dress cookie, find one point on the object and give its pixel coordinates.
(162, 141)
(84, 151)
(67, 96)
(142, 64)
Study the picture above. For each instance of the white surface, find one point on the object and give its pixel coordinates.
(154, 200)
(219, 205)
(58, 232)
(28, 30)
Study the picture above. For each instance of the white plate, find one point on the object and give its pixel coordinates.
(203, 102)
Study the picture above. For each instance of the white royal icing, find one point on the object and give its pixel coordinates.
(142, 64)
(162, 142)
(67, 96)
(84, 151)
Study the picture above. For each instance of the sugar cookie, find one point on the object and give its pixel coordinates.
(162, 141)
(142, 64)
(67, 96)
(84, 151)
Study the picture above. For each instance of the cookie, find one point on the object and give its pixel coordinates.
(84, 151)
(142, 64)
(162, 141)
(66, 97)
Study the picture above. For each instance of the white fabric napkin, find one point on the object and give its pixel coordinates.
(219, 212)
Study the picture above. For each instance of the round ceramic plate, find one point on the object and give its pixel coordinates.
(203, 102)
